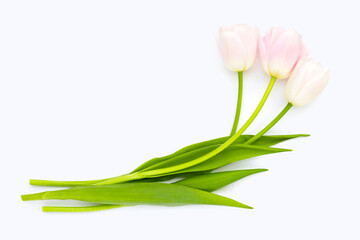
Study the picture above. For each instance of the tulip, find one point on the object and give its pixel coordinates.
(237, 45)
(280, 50)
(308, 79)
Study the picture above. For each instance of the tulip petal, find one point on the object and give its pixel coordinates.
(233, 51)
(306, 82)
(312, 89)
(280, 50)
(285, 53)
(237, 45)
(252, 47)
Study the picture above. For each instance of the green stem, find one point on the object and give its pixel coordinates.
(164, 171)
(38, 182)
(238, 106)
(270, 125)
(80, 209)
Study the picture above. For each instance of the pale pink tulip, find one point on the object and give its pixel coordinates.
(308, 79)
(237, 45)
(280, 50)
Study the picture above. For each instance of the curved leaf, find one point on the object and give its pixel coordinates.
(206, 182)
(233, 153)
(267, 140)
(185, 154)
(138, 194)
(212, 181)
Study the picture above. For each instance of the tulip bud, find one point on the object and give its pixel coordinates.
(280, 50)
(237, 45)
(308, 79)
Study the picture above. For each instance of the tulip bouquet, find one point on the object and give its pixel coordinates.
(156, 182)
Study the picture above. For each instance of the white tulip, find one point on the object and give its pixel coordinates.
(237, 45)
(307, 80)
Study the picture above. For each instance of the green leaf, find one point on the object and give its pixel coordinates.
(182, 155)
(181, 151)
(229, 155)
(137, 194)
(271, 140)
(169, 177)
(203, 181)
(212, 181)
(268, 140)
(80, 209)
(233, 153)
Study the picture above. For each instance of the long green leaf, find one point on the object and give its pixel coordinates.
(207, 182)
(235, 152)
(212, 181)
(137, 194)
(170, 177)
(185, 154)
(267, 140)
(231, 154)
(271, 140)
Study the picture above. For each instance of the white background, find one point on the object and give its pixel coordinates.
(91, 89)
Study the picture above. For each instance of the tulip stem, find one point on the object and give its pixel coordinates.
(270, 125)
(169, 170)
(238, 106)
(38, 182)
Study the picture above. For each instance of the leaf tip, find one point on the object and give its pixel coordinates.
(259, 170)
(247, 207)
(277, 150)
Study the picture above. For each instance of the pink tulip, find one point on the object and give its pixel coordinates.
(280, 50)
(308, 79)
(237, 45)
